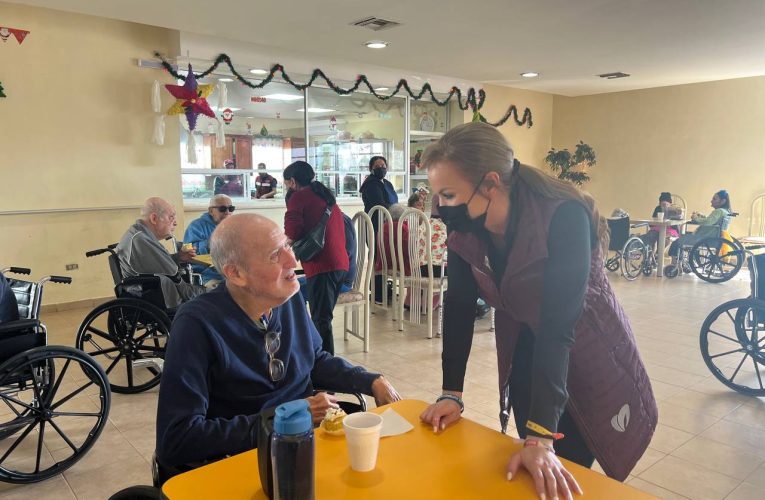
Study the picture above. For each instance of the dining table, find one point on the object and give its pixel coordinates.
(466, 460)
(662, 225)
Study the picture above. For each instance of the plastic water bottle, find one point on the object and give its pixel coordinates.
(292, 452)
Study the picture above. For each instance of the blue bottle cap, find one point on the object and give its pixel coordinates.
(293, 418)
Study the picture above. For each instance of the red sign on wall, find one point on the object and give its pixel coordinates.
(257, 98)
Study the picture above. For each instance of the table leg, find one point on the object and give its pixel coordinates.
(660, 257)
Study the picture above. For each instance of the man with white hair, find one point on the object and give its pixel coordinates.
(140, 252)
(244, 347)
(200, 230)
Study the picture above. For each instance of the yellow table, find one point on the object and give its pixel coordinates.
(466, 461)
(203, 259)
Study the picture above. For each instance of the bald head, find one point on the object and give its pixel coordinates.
(159, 217)
(155, 205)
(237, 235)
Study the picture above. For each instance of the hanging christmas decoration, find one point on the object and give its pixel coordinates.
(191, 101)
(18, 34)
(227, 115)
(472, 100)
(222, 95)
(263, 130)
(2, 93)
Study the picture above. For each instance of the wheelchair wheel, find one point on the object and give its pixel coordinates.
(633, 258)
(649, 264)
(55, 417)
(732, 343)
(612, 264)
(716, 260)
(127, 337)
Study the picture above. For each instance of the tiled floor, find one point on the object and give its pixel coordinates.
(710, 442)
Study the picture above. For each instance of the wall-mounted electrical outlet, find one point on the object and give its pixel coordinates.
(72, 267)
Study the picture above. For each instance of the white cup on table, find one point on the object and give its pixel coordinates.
(362, 436)
(660, 216)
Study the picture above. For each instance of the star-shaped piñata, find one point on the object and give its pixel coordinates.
(191, 99)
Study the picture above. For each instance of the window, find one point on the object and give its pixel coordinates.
(346, 131)
(266, 128)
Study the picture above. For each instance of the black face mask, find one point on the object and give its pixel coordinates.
(379, 172)
(457, 218)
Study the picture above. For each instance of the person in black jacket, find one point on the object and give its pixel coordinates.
(376, 191)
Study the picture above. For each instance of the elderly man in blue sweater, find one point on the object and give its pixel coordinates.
(200, 230)
(246, 346)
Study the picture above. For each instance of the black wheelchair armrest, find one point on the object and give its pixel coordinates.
(18, 325)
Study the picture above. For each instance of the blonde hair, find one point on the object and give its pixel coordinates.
(478, 148)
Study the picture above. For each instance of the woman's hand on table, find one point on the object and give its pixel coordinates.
(383, 392)
(551, 479)
(442, 414)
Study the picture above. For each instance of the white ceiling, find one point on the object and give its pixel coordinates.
(658, 42)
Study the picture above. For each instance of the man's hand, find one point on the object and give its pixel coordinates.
(319, 404)
(186, 255)
(383, 392)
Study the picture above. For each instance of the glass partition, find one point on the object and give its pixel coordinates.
(346, 131)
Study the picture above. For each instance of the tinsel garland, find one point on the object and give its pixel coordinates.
(473, 100)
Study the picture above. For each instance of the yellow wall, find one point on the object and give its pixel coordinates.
(74, 133)
(688, 139)
(530, 144)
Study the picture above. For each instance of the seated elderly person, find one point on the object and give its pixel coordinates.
(140, 252)
(709, 226)
(246, 346)
(199, 231)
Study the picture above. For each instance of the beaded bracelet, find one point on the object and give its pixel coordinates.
(454, 398)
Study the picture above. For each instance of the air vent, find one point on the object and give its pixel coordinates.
(375, 23)
(614, 76)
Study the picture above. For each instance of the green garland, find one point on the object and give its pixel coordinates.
(473, 100)
(2, 94)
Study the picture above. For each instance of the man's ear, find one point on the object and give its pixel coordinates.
(232, 274)
(153, 218)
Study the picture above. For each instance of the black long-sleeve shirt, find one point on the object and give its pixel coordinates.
(563, 288)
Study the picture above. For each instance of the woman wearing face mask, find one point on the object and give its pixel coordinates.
(569, 368)
(377, 190)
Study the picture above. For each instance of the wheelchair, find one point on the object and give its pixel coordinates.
(128, 335)
(631, 255)
(55, 399)
(732, 337)
(714, 259)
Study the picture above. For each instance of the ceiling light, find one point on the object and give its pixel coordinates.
(258, 71)
(381, 89)
(316, 110)
(225, 79)
(376, 44)
(284, 97)
(530, 74)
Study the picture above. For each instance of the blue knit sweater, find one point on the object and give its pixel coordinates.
(198, 233)
(215, 379)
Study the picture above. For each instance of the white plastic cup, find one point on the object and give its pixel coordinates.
(362, 436)
(660, 216)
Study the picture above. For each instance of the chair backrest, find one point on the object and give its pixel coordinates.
(757, 273)
(620, 232)
(380, 216)
(114, 267)
(757, 217)
(28, 297)
(679, 201)
(410, 250)
(365, 253)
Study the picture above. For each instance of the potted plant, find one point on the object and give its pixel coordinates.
(572, 168)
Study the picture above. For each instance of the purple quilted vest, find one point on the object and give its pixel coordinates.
(610, 396)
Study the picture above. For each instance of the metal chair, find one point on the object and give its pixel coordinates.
(381, 216)
(410, 253)
(756, 234)
(358, 299)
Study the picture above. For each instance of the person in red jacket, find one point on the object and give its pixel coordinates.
(326, 271)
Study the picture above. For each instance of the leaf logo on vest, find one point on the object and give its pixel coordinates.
(621, 420)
